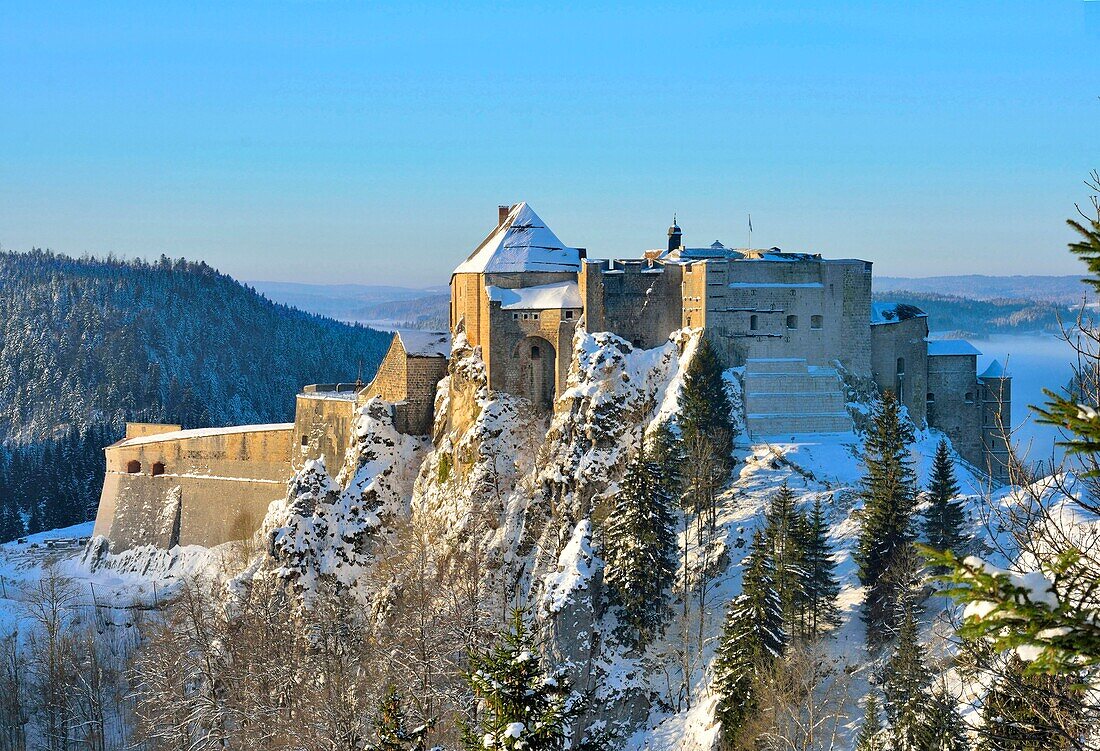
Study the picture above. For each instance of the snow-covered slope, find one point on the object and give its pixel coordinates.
(529, 493)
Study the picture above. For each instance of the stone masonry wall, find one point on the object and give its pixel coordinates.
(638, 300)
(322, 427)
(206, 490)
(904, 340)
(954, 404)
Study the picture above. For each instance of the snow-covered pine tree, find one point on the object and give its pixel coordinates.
(752, 639)
(888, 491)
(906, 681)
(785, 531)
(391, 727)
(943, 520)
(665, 449)
(944, 730)
(872, 736)
(523, 705)
(705, 406)
(821, 586)
(639, 546)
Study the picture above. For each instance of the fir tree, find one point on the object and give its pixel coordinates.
(871, 735)
(705, 406)
(821, 585)
(943, 520)
(391, 727)
(888, 491)
(905, 687)
(523, 706)
(639, 548)
(752, 639)
(785, 531)
(944, 729)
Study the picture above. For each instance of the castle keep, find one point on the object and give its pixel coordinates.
(796, 326)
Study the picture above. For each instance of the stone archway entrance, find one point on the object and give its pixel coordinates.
(537, 371)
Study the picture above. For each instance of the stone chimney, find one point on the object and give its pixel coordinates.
(502, 214)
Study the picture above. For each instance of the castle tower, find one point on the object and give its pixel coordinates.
(517, 298)
(996, 393)
(675, 236)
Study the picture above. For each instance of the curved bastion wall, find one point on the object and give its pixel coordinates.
(192, 487)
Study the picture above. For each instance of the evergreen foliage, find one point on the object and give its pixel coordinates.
(752, 639)
(87, 344)
(906, 688)
(889, 493)
(523, 706)
(944, 730)
(640, 544)
(705, 405)
(785, 531)
(871, 736)
(821, 584)
(391, 727)
(943, 520)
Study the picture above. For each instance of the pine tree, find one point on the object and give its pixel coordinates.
(943, 521)
(785, 531)
(944, 730)
(639, 548)
(524, 706)
(705, 406)
(871, 735)
(752, 639)
(391, 727)
(821, 587)
(888, 491)
(905, 686)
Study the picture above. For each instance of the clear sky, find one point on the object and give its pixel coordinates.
(370, 143)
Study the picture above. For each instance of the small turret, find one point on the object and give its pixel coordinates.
(675, 236)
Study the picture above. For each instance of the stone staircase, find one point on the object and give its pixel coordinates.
(784, 397)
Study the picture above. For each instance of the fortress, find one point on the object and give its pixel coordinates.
(797, 327)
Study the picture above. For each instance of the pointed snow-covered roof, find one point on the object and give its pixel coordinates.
(522, 242)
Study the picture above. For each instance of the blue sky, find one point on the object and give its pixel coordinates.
(371, 143)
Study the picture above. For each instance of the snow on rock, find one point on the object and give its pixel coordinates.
(574, 572)
(326, 527)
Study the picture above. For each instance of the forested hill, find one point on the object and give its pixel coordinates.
(86, 341)
(87, 344)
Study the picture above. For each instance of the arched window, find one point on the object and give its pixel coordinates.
(969, 398)
(754, 323)
(901, 366)
(536, 354)
(158, 469)
(816, 322)
(792, 322)
(133, 467)
(305, 439)
(930, 398)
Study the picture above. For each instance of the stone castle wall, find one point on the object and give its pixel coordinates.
(192, 487)
(322, 425)
(408, 384)
(954, 404)
(810, 309)
(996, 395)
(639, 300)
(903, 343)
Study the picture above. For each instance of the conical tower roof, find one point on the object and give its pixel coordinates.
(522, 242)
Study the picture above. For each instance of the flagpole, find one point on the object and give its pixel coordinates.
(750, 230)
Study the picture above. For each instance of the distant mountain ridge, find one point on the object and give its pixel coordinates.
(396, 306)
(1065, 290)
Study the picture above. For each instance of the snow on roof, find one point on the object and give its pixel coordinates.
(995, 370)
(522, 242)
(425, 343)
(177, 435)
(892, 312)
(946, 347)
(543, 297)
